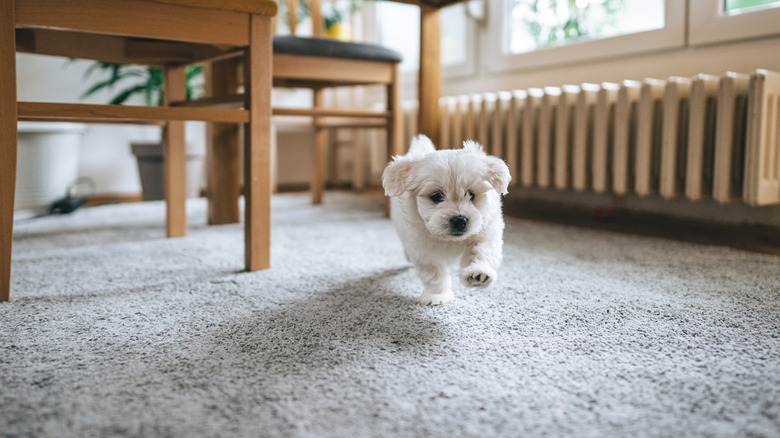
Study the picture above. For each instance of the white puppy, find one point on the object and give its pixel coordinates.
(446, 207)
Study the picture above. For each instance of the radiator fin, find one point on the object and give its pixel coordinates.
(624, 145)
(730, 137)
(762, 162)
(701, 137)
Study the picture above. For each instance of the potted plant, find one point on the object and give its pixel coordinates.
(134, 80)
(335, 13)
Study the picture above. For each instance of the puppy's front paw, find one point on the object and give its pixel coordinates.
(431, 299)
(478, 276)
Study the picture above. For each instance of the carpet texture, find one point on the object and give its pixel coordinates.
(114, 330)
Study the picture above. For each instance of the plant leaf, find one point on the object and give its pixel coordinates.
(125, 94)
(97, 87)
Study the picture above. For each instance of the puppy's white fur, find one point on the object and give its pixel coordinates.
(446, 208)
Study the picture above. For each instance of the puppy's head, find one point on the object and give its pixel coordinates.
(451, 186)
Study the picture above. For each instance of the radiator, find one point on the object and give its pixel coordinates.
(700, 138)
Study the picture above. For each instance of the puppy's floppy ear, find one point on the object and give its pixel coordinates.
(399, 174)
(496, 171)
(497, 174)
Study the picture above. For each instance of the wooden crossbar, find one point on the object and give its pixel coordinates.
(236, 100)
(124, 114)
(330, 112)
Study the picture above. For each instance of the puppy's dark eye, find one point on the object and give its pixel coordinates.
(471, 196)
(437, 198)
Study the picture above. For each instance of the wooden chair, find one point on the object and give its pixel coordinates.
(315, 63)
(166, 33)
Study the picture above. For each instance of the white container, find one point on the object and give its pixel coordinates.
(47, 162)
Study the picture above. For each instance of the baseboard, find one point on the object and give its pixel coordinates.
(755, 238)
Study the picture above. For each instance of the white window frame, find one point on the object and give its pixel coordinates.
(710, 24)
(497, 59)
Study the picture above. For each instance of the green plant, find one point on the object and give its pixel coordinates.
(735, 5)
(552, 22)
(135, 79)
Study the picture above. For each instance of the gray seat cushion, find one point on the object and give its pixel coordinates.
(330, 48)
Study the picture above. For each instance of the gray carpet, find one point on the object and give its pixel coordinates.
(115, 331)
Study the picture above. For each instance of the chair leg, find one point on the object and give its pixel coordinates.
(358, 159)
(223, 176)
(175, 158)
(395, 129)
(257, 145)
(320, 152)
(395, 126)
(7, 142)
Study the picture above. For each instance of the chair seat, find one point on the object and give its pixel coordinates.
(330, 48)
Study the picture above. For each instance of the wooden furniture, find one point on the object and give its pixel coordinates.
(319, 64)
(429, 75)
(315, 63)
(166, 33)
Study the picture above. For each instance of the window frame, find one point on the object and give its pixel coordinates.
(709, 23)
(497, 60)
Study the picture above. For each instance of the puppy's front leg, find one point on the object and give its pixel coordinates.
(438, 285)
(480, 263)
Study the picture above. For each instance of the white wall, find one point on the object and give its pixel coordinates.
(105, 153)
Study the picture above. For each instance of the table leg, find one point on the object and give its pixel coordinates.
(429, 84)
(257, 145)
(175, 157)
(7, 142)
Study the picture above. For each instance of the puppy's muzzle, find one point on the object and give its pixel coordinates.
(458, 225)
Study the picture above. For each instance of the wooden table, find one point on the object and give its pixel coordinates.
(166, 33)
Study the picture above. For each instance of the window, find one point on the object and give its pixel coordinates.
(538, 33)
(522, 35)
(738, 6)
(454, 36)
(535, 24)
(718, 21)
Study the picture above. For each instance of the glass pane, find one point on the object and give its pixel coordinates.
(406, 39)
(737, 6)
(537, 24)
(454, 30)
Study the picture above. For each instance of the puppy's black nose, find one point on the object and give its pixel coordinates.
(459, 223)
